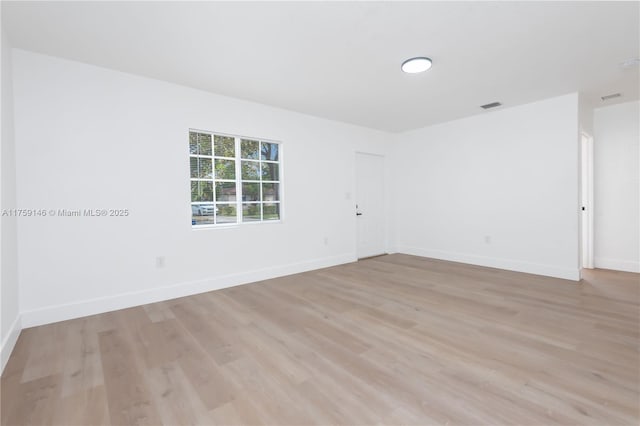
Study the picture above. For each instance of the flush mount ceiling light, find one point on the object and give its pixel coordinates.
(630, 63)
(416, 65)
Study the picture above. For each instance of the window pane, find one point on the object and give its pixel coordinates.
(201, 191)
(201, 167)
(199, 143)
(249, 149)
(270, 192)
(269, 151)
(271, 211)
(225, 191)
(224, 146)
(250, 191)
(250, 170)
(215, 184)
(225, 169)
(226, 213)
(250, 212)
(202, 214)
(270, 171)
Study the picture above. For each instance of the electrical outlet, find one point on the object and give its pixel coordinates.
(487, 239)
(326, 241)
(160, 262)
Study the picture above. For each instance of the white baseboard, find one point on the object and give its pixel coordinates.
(50, 314)
(9, 342)
(617, 264)
(508, 264)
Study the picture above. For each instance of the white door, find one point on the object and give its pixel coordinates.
(370, 205)
(586, 198)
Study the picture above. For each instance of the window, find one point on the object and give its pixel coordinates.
(233, 179)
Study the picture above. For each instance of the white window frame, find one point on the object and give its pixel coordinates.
(238, 181)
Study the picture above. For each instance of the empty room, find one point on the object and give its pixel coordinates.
(320, 213)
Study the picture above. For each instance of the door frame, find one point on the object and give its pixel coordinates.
(586, 201)
(384, 203)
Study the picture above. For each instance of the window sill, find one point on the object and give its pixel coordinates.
(233, 225)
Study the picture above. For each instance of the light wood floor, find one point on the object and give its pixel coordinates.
(391, 340)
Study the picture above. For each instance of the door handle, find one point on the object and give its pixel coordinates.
(358, 214)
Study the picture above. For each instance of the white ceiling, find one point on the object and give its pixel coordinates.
(342, 60)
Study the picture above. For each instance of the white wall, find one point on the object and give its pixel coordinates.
(88, 137)
(499, 189)
(9, 292)
(617, 187)
(585, 115)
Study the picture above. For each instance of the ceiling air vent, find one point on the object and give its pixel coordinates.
(491, 105)
(613, 95)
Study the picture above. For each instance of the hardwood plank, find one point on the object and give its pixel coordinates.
(177, 401)
(10, 395)
(395, 339)
(82, 365)
(85, 407)
(217, 341)
(49, 360)
(159, 311)
(128, 396)
(34, 402)
(259, 386)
